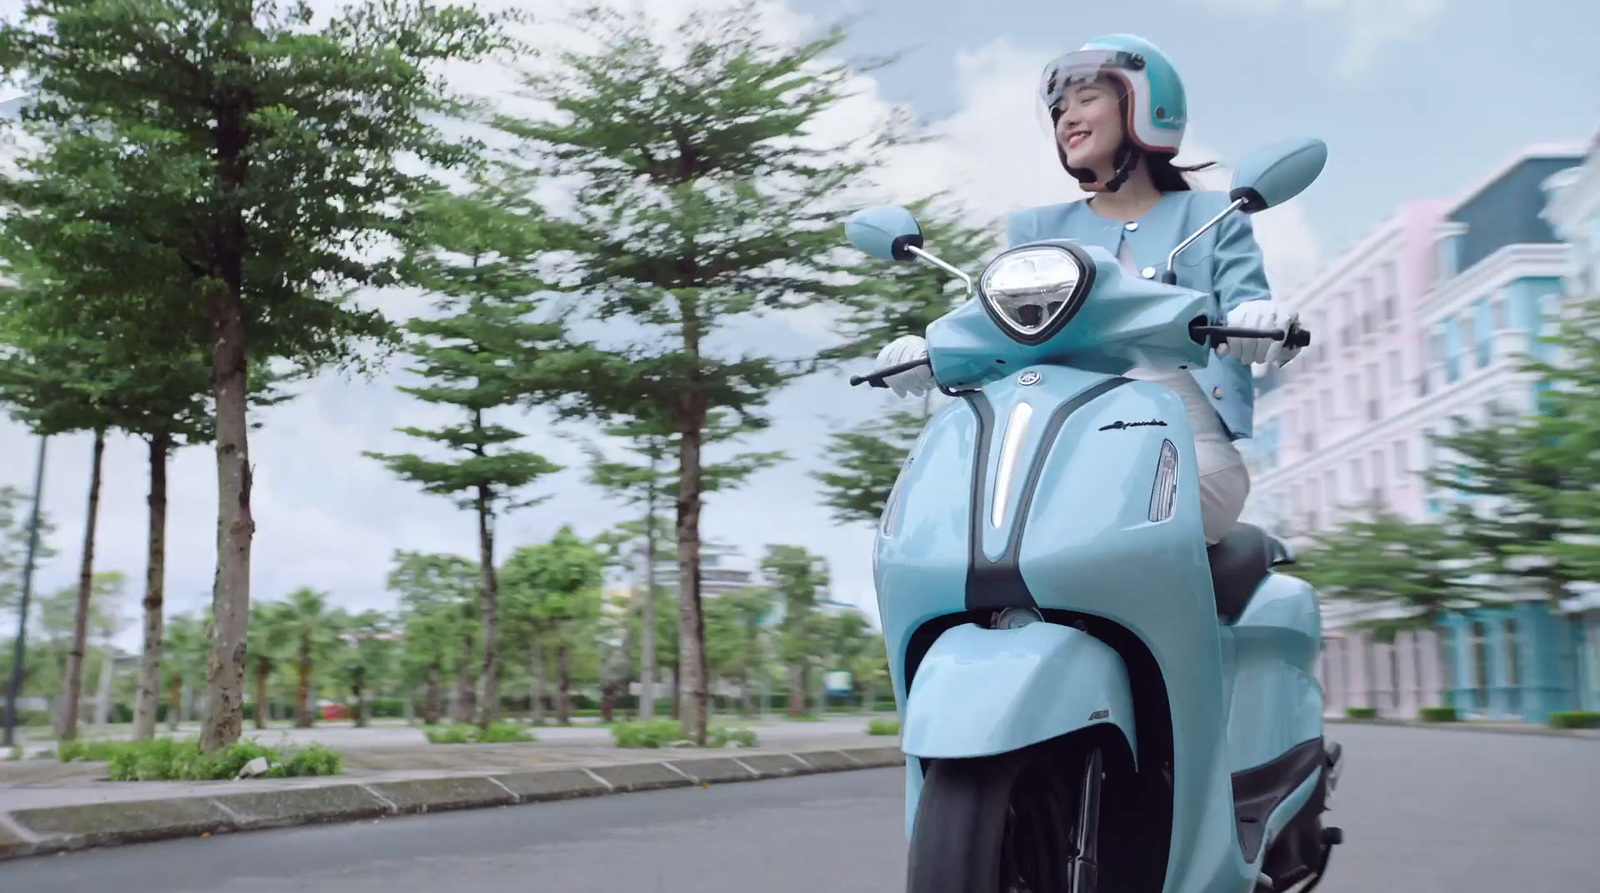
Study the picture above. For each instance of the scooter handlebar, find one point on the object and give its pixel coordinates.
(876, 377)
(1295, 336)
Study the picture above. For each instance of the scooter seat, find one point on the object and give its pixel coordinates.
(1239, 563)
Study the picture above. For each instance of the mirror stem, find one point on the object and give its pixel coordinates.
(941, 265)
(1173, 257)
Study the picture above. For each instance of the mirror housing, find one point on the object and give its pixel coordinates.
(1278, 173)
(886, 233)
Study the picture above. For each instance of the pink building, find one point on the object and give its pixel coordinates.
(1422, 320)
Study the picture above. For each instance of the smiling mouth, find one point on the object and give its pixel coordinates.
(1076, 138)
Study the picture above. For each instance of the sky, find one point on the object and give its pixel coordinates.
(1415, 98)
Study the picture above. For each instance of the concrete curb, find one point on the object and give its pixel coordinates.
(1468, 726)
(56, 829)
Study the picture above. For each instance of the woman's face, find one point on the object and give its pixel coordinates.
(1089, 129)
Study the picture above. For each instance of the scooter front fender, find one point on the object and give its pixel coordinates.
(979, 692)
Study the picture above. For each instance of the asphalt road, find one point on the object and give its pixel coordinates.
(1423, 811)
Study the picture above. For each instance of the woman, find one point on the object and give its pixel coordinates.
(1119, 112)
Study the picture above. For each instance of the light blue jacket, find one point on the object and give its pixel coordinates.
(1226, 261)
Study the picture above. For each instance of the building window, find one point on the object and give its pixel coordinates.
(1367, 299)
(1482, 331)
(1347, 322)
(1391, 292)
(1373, 389)
(1330, 489)
(1452, 352)
(1397, 372)
(1500, 319)
(1448, 256)
(1401, 465)
(1352, 393)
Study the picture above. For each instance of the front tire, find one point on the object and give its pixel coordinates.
(1009, 824)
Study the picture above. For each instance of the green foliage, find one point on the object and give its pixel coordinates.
(668, 732)
(464, 733)
(1437, 714)
(798, 578)
(164, 759)
(1361, 712)
(883, 727)
(1575, 719)
(1416, 570)
(16, 508)
(79, 750)
(864, 463)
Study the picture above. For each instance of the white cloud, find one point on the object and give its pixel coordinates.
(328, 517)
(1369, 24)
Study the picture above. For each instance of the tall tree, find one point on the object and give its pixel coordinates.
(242, 161)
(649, 483)
(864, 462)
(705, 197)
(1407, 572)
(438, 596)
(556, 586)
(798, 577)
(477, 253)
(271, 635)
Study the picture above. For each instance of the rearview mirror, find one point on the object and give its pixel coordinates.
(1272, 176)
(886, 233)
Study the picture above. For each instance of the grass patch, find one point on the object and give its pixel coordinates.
(666, 732)
(79, 751)
(1361, 712)
(1438, 714)
(1575, 719)
(465, 733)
(883, 727)
(163, 759)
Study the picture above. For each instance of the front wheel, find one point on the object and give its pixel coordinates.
(1014, 823)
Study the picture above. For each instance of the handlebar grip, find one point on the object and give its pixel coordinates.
(876, 377)
(1297, 337)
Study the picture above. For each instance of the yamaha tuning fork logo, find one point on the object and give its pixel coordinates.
(1028, 378)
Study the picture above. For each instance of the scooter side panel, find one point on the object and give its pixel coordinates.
(1090, 547)
(1276, 700)
(1280, 817)
(980, 692)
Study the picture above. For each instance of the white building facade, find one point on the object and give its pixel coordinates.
(1421, 320)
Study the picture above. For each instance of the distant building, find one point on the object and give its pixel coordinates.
(1422, 320)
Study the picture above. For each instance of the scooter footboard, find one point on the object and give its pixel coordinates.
(980, 692)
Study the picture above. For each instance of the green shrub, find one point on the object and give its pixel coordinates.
(1361, 712)
(163, 759)
(723, 735)
(655, 733)
(1437, 714)
(86, 751)
(1575, 719)
(883, 727)
(464, 733)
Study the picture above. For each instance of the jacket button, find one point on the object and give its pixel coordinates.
(1217, 393)
(1131, 226)
(1148, 272)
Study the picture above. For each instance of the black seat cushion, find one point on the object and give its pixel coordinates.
(1239, 563)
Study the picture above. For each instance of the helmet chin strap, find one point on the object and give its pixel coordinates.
(1127, 160)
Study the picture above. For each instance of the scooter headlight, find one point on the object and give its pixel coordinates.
(1031, 292)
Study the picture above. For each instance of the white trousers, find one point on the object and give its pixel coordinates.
(1224, 478)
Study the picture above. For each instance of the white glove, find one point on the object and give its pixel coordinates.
(904, 349)
(1260, 315)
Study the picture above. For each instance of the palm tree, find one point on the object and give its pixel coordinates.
(269, 636)
(311, 633)
(184, 649)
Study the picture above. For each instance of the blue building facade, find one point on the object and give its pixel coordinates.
(1504, 269)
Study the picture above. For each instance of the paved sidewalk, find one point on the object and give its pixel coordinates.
(48, 807)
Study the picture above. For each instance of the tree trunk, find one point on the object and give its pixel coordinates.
(149, 691)
(430, 706)
(174, 702)
(692, 671)
(102, 700)
(80, 620)
(302, 694)
(536, 674)
(263, 669)
(608, 698)
(677, 693)
(465, 710)
(488, 603)
(230, 597)
(797, 688)
(359, 711)
(564, 683)
(647, 646)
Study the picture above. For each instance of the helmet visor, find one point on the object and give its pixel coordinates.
(1085, 67)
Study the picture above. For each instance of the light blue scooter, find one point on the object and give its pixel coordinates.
(1092, 701)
